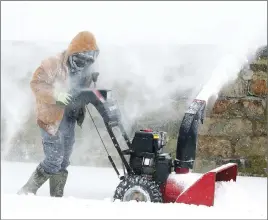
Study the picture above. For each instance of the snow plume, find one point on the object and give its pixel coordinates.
(150, 50)
(18, 62)
(180, 47)
(16, 100)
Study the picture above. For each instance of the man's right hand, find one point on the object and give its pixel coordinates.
(62, 97)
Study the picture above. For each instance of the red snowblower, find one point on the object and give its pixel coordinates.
(150, 174)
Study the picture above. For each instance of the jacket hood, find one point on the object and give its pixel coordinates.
(83, 41)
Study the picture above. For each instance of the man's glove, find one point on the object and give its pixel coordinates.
(95, 76)
(62, 98)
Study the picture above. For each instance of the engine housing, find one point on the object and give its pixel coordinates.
(147, 157)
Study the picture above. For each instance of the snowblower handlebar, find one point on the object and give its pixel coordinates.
(101, 100)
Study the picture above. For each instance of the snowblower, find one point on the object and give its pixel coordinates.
(150, 175)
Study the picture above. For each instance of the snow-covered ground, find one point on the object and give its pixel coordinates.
(89, 191)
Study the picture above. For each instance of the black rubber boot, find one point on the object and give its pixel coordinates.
(37, 179)
(57, 183)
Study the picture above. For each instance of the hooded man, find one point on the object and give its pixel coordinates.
(51, 84)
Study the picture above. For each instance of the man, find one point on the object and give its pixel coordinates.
(51, 84)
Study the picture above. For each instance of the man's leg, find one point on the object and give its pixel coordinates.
(58, 181)
(69, 140)
(54, 152)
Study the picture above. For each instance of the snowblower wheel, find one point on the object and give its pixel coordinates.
(139, 189)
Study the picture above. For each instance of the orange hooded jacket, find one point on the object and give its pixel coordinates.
(51, 74)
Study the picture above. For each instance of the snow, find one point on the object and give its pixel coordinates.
(89, 190)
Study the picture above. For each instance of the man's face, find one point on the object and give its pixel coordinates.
(79, 61)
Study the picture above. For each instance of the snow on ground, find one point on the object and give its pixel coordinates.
(89, 191)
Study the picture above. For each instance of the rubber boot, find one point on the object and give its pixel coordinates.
(57, 183)
(37, 179)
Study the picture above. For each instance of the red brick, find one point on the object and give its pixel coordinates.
(251, 107)
(258, 87)
(254, 109)
(221, 106)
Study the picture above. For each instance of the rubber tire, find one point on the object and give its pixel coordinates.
(151, 187)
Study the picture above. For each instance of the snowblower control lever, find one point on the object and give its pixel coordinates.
(105, 105)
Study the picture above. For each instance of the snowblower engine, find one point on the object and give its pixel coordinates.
(147, 157)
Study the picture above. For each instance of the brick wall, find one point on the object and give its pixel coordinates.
(235, 128)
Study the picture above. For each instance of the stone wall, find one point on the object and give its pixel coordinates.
(235, 128)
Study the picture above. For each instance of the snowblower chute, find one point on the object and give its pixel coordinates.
(150, 174)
